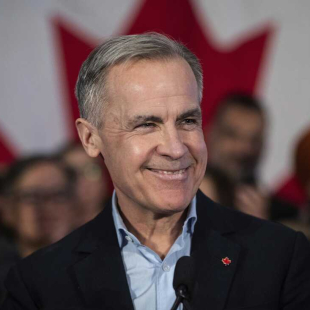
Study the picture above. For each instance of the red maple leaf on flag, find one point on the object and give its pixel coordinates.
(7, 153)
(228, 70)
(236, 69)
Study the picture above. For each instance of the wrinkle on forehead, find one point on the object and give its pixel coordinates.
(148, 79)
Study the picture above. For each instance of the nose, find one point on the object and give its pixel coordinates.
(171, 144)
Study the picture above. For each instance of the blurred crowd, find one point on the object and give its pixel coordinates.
(236, 140)
(43, 198)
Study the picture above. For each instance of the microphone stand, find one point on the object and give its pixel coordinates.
(182, 296)
(186, 305)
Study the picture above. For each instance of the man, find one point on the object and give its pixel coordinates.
(235, 143)
(139, 100)
(236, 137)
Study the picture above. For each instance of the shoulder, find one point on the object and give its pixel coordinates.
(69, 250)
(53, 269)
(268, 245)
(243, 227)
(272, 257)
(61, 252)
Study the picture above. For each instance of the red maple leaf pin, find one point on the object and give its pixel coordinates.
(226, 261)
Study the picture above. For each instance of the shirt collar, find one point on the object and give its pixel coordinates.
(123, 234)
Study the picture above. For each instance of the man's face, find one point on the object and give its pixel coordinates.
(152, 140)
(235, 142)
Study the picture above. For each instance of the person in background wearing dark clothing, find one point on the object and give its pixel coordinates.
(92, 185)
(38, 208)
(8, 252)
(302, 170)
(236, 141)
(218, 186)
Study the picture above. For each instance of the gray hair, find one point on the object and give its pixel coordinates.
(90, 87)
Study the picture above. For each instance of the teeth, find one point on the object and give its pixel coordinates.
(170, 172)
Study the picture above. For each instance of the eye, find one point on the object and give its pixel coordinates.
(146, 125)
(189, 121)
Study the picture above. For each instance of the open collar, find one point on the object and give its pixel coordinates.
(101, 276)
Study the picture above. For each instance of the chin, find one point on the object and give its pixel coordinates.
(174, 203)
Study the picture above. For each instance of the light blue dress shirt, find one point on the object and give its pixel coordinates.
(149, 277)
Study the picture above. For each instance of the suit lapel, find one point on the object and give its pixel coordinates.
(100, 274)
(209, 247)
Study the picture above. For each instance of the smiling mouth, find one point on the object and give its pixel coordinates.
(168, 172)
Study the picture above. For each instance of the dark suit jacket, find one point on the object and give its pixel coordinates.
(270, 267)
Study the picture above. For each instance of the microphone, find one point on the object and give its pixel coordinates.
(183, 281)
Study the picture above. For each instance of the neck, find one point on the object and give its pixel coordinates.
(156, 231)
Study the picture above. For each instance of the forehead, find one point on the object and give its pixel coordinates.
(242, 118)
(155, 82)
(41, 175)
(77, 157)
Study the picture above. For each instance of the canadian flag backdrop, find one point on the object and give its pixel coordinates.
(262, 47)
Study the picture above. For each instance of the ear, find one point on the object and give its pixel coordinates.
(89, 137)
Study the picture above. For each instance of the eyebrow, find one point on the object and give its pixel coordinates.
(196, 112)
(145, 118)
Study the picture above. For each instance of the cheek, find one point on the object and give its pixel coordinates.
(125, 156)
(140, 149)
(26, 220)
(137, 151)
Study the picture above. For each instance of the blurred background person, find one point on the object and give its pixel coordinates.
(235, 141)
(93, 182)
(302, 171)
(218, 186)
(39, 207)
(5, 232)
(8, 252)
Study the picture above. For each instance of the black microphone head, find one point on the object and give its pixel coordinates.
(184, 273)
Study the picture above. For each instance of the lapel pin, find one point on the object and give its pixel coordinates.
(226, 261)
